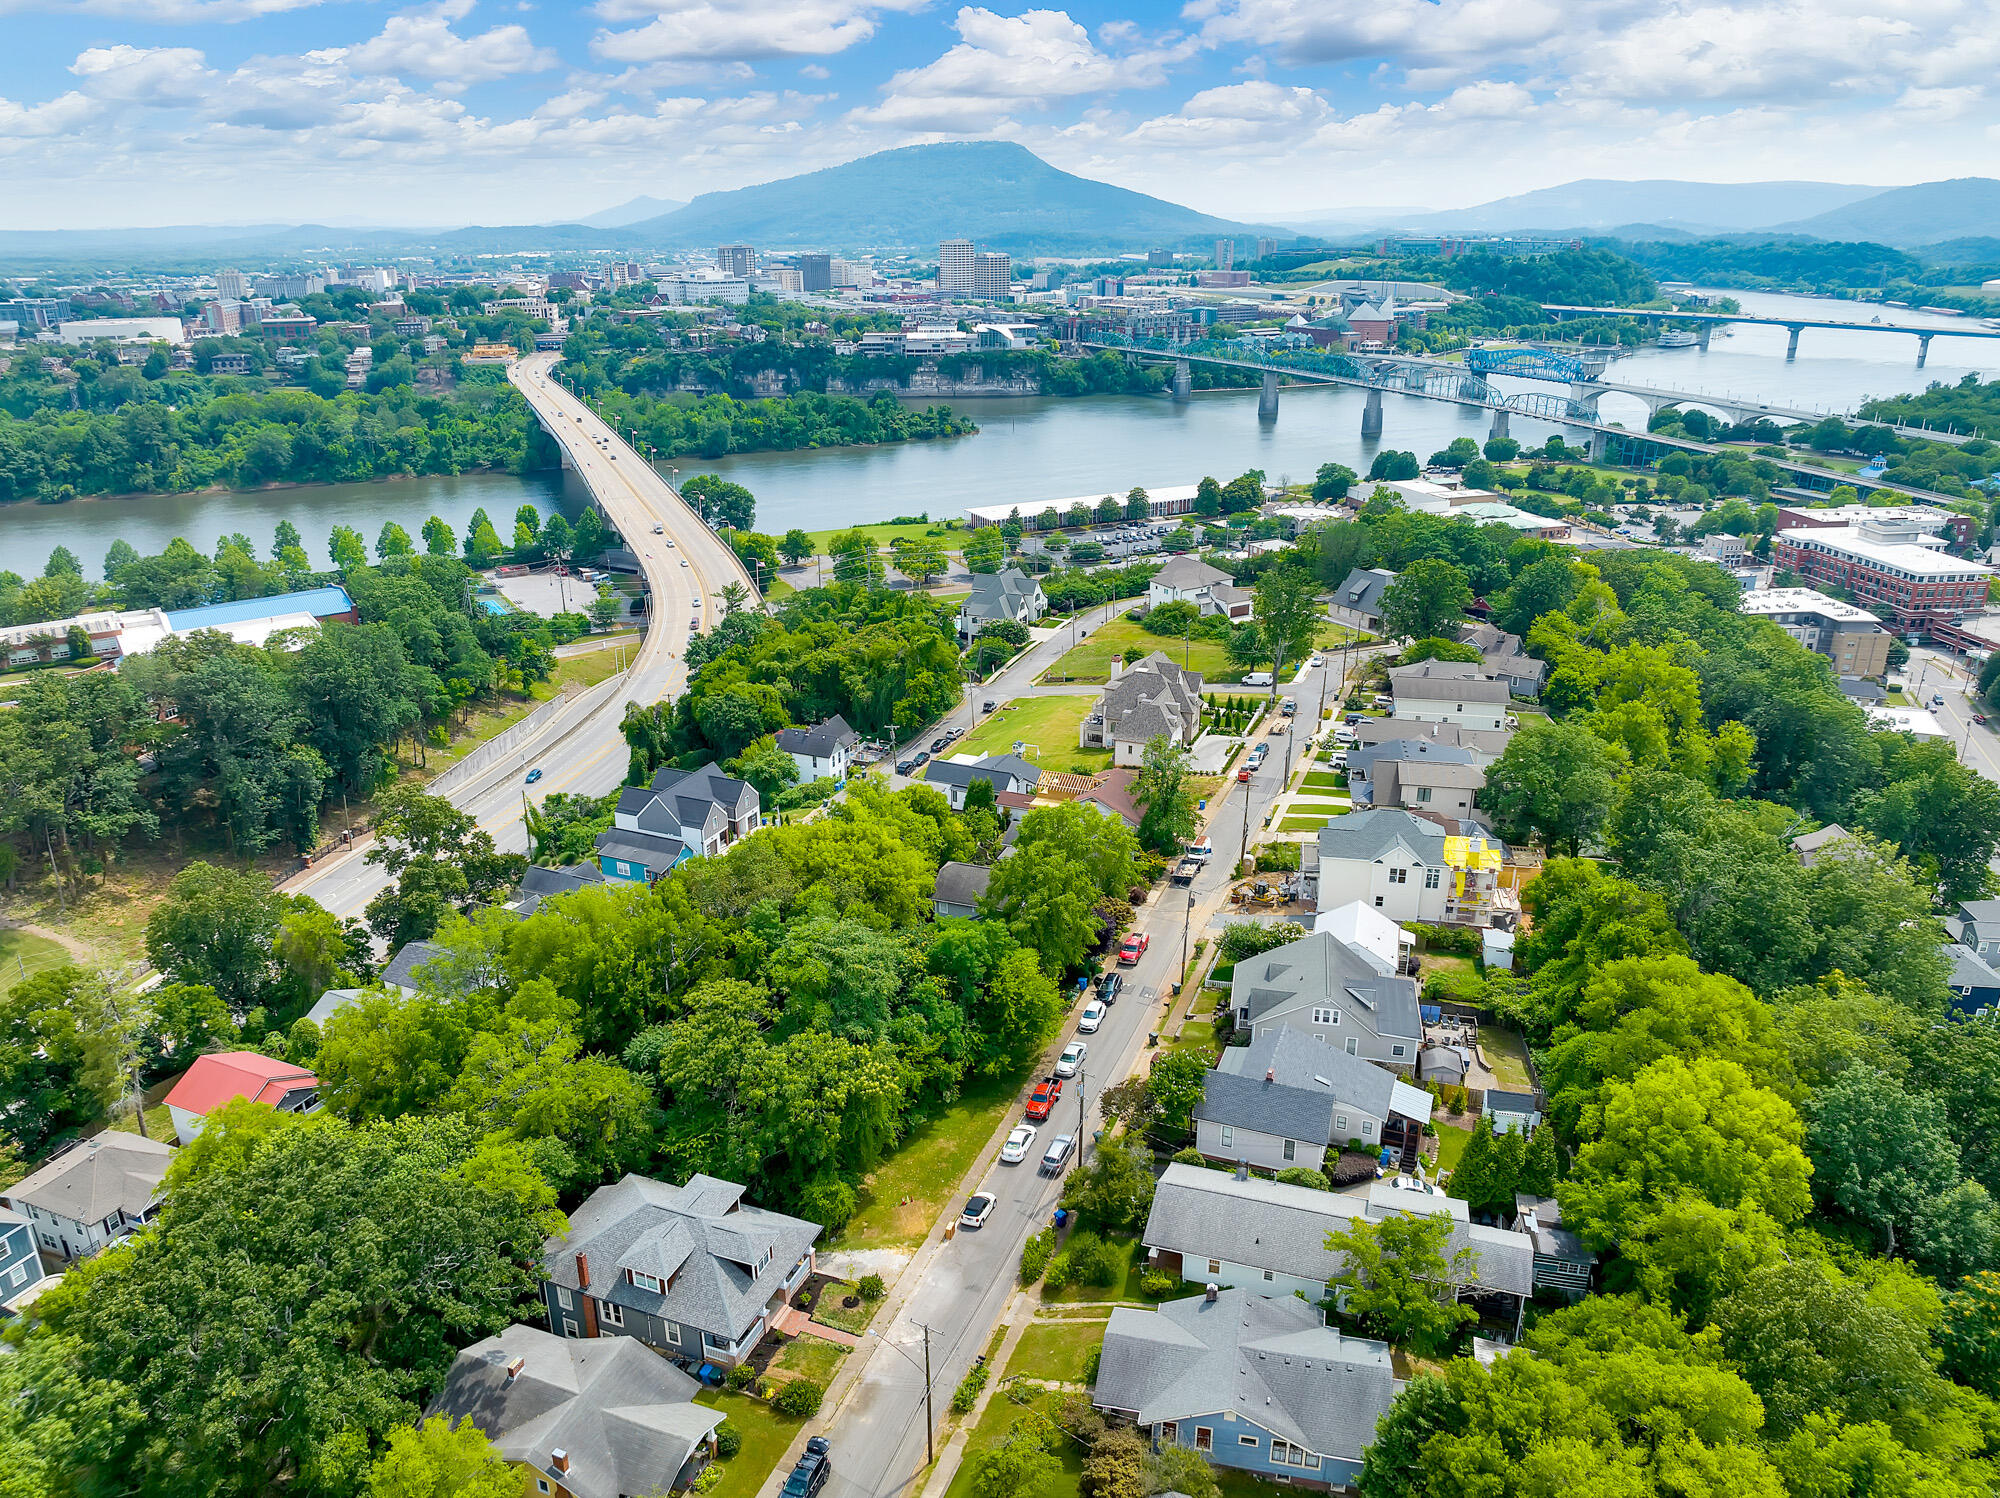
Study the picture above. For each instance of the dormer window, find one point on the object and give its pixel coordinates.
(646, 1282)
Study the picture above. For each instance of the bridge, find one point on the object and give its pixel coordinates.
(1705, 322)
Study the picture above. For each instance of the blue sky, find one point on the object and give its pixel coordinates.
(116, 112)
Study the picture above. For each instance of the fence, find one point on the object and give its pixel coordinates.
(517, 739)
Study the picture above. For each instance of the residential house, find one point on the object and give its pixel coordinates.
(1976, 923)
(1810, 845)
(1502, 658)
(1512, 1112)
(1562, 1263)
(825, 751)
(958, 889)
(405, 972)
(1324, 988)
(224, 1076)
(1414, 773)
(1267, 1237)
(1974, 983)
(1371, 936)
(1151, 698)
(20, 1260)
(1009, 594)
(683, 814)
(1111, 794)
(1260, 1385)
(541, 883)
(1449, 692)
(1358, 600)
(1289, 1099)
(1008, 774)
(92, 1192)
(1485, 744)
(330, 1003)
(1412, 869)
(1209, 589)
(600, 1419)
(692, 1271)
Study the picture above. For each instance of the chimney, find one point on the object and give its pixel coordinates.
(559, 1459)
(583, 1271)
(514, 1369)
(1209, 1293)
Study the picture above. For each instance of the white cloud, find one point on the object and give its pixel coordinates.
(64, 115)
(1252, 113)
(164, 12)
(1414, 33)
(738, 28)
(422, 44)
(159, 76)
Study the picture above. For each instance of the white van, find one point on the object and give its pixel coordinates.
(1257, 679)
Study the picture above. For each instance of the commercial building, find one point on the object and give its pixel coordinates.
(1888, 568)
(1036, 515)
(1929, 525)
(954, 272)
(815, 272)
(1222, 279)
(1851, 637)
(1225, 254)
(36, 314)
(123, 329)
(992, 277)
(736, 260)
(232, 284)
(113, 634)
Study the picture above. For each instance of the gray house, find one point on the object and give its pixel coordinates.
(1010, 594)
(1151, 698)
(541, 883)
(1008, 774)
(1358, 600)
(1512, 1112)
(959, 887)
(1976, 924)
(1562, 1263)
(1286, 1099)
(1322, 987)
(683, 814)
(690, 1270)
(825, 751)
(1503, 659)
(603, 1419)
(1416, 774)
(1263, 1386)
(1485, 744)
(1449, 692)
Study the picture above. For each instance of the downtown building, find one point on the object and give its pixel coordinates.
(965, 270)
(1891, 567)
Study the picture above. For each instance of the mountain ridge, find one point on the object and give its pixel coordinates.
(1922, 213)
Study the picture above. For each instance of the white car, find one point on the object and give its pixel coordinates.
(1093, 1016)
(684, 561)
(977, 1210)
(1314, 662)
(670, 541)
(1015, 1150)
(659, 529)
(1344, 734)
(1070, 1062)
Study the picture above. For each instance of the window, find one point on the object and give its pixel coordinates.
(1325, 1017)
(1228, 1136)
(569, 1327)
(1395, 1050)
(1269, 1276)
(1430, 878)
(1170, 1431)
(1291, 1149)
(1340, 1123)
(645, 1282)
(1204, 1438)
(1215, 1266)
(1246, 1440)
(1367, 1128)
(541, 1485)
(562, 1297)
(17, 1274)
(614, 1315)
(1423, 793)
(1378, 902)
(1399, 876)
(1353, 1046)
(674, 1333)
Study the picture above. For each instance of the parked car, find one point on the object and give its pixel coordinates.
(1257, 757)
(938, 743)
(1015, 1150)
(1070, 1062)
(1344, 734)
(1288, 706)
(1048, 1093)
(954, 735)
(1108, 985)
(1134, 947)
(906, 766)
(977, 1210)
(1202, 851)
(988, 705)
(1243, 774)
(534, 775)
(1092, 1017)
(1058, 1154)
(922, 757)
(809, 1476)
(1257, 679)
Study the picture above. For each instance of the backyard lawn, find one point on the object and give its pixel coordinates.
(1507, 1055)
(832, 1310)
(810, 1357)
(1132, 1265)
(901, 1200)
(1091, 660)
(765, 1437)
(23, 956)
(1000, 1416)
(1452, 1141)
(1047, 725)
(1056, 1350)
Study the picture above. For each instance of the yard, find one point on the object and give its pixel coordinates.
(1057, 1350)
(1000, 1416)
(832, 1309)
(766, 1434)
(1047, 725)
(1091, 660)
(1452, 1141)
(901, 1200)
(810, 1357)
(23, 956)
(1507, 1055)
(1132, 1265)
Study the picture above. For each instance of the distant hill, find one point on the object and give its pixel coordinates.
(636, 211)
(1600, 204)
(1001, 195)
(1962, 208)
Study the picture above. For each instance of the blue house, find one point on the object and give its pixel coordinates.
(1261, 1385)
(683, 814)
(20, 1260)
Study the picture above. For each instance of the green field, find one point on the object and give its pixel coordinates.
(1507, 1055)
(1056, 1351)
(765, 1437)
(1091, 660)
(900, 1201)
(1452, 1141)
(23, 956)
(884, 534)
(811, 1357)
(1048, 725)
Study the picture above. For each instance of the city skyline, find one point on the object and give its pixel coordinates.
(135, 112)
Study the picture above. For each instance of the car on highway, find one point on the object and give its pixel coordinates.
(659, 529)
(977, 1209)
(1093, 1016)
(1047, 1094)
(1015, 1150)
(1057, 1154)
(809, 1476)
(1108, 985)
(1134, 947)
(534, 775)
(684, 561)
(1070, 1062)
(670, 542)
(1937, 699)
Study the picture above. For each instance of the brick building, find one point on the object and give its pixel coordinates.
(1888, 570)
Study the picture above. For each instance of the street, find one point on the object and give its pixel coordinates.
(1931, 672)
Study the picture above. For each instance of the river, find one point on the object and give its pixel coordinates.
(1031, 450)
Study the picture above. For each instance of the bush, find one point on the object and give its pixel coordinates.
(1454, 941)
(967, 1394)
(1090, 1361)
(1304, 1175)
(871, 1287)
(1035, 1255)
(728, 1440)
(1088, 1260)
(710, 1479)
(1189, 1156)
(828, 1201)
(1159, 1286)
(739, 1377)
(1278, 858)
(1241, 939)
(800, 1399)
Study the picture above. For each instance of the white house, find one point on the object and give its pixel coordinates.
(1209, 589)
(1410, 869)
(1449, 692)
(824, 751)
(1288, 1098)
(92, 1193)
(1149, 699)
(1320, 986)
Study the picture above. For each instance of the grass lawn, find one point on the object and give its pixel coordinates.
(1091, 660)
(1197, 1035)
(1048, 725)
(811, 1357)
(1307, 824)
(1455, 978)
(901, 1200)
(882, 535)
(766, 1434)
(1324, 780)
(1000, 1416)
(1452, 1141)
(1056, 1350)
(593, 666)
(1507, 1054)
(777, 587)
(23, 956)
(1131, 1256)
(1332, 636)
(841, 1317)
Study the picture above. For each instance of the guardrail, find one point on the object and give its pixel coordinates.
(518, 738)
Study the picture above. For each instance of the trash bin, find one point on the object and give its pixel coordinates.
(1152, 1037)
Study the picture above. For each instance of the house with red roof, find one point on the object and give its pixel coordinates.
(217, 1079)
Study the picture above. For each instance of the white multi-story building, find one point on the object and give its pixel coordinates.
(955, 263)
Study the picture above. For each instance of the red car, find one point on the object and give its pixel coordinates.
(1043, 1103)
(1135, 944)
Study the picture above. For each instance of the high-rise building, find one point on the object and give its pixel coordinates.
(36, 313)
(992, 277)
(736, 260)
(231, 285)
(1266, 248)
(1225, 254)
(1159, 257)
(954, 276)
(815, 272)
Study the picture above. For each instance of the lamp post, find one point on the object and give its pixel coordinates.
(930, 1425)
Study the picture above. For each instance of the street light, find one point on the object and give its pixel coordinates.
(930, 1439)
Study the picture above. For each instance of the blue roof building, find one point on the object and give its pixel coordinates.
(330, 602)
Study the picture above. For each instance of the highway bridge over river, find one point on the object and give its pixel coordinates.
(1704, 322)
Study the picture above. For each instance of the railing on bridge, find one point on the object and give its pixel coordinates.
(1532, 364)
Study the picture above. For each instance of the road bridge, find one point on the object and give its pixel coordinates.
(1706, 321)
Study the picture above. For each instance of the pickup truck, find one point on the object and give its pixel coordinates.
(1185, 870)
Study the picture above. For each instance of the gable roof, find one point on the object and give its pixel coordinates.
(1111, 792)
(1290, 1084)
(402, 969)
(1968, 969)
(622, 1414)
(1185, 572)
(1365, 836)
(1363, 588)
(217, 1078)
(999, 595)
(1273, 1363)
(819, 740)
(696, 794)
(541, 882)
(1459, 681)
(961, 883)
(1320, 966)
(89, 1180)
(332, 1002)
(321, 603)
(711, 1243)
(649, 850)
(1367, 933)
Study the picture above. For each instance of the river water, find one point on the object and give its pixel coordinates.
(1032, 450)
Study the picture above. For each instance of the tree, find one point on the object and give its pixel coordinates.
(1162, 787)
(1481, 1179)
(1399, 1283)
(919, 558)
(1555, 781)
(438, 539)
(1181, 1469)
(984, 550)
(393, 541)
(438, 1460)
(1138, 504)
(1048, 899)
(1971, 1333)
(348, 550)
(767, 767)
(720, 502)
(61, 1056)
(1539, 1167)
(1390, 464)
(1288, 614)
(1019, 1465)
(360, 692)
(795, 546)
(1940, 815)
(1880, 1154)
(441, 860)
(1115, 1190)
(217, 927)
(1332, 482)
(1208, 498)
(1176, 1082)
(1429, 597)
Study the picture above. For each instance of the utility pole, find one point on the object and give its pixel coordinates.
(930, 1425)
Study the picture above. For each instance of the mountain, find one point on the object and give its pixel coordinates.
(1598, 204)
(1000, 195)
(1963, 208)
(636, 211)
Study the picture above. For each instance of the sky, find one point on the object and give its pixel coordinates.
(144, 112)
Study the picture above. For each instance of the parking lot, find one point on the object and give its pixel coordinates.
(546, 594)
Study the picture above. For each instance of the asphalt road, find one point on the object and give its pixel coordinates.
(878, 1432)
(1933, 673)
(582, 750)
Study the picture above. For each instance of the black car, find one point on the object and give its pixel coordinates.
(1108, 985)
(922, 758)
(809, 1476)
(905, 766)
(938, 743)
